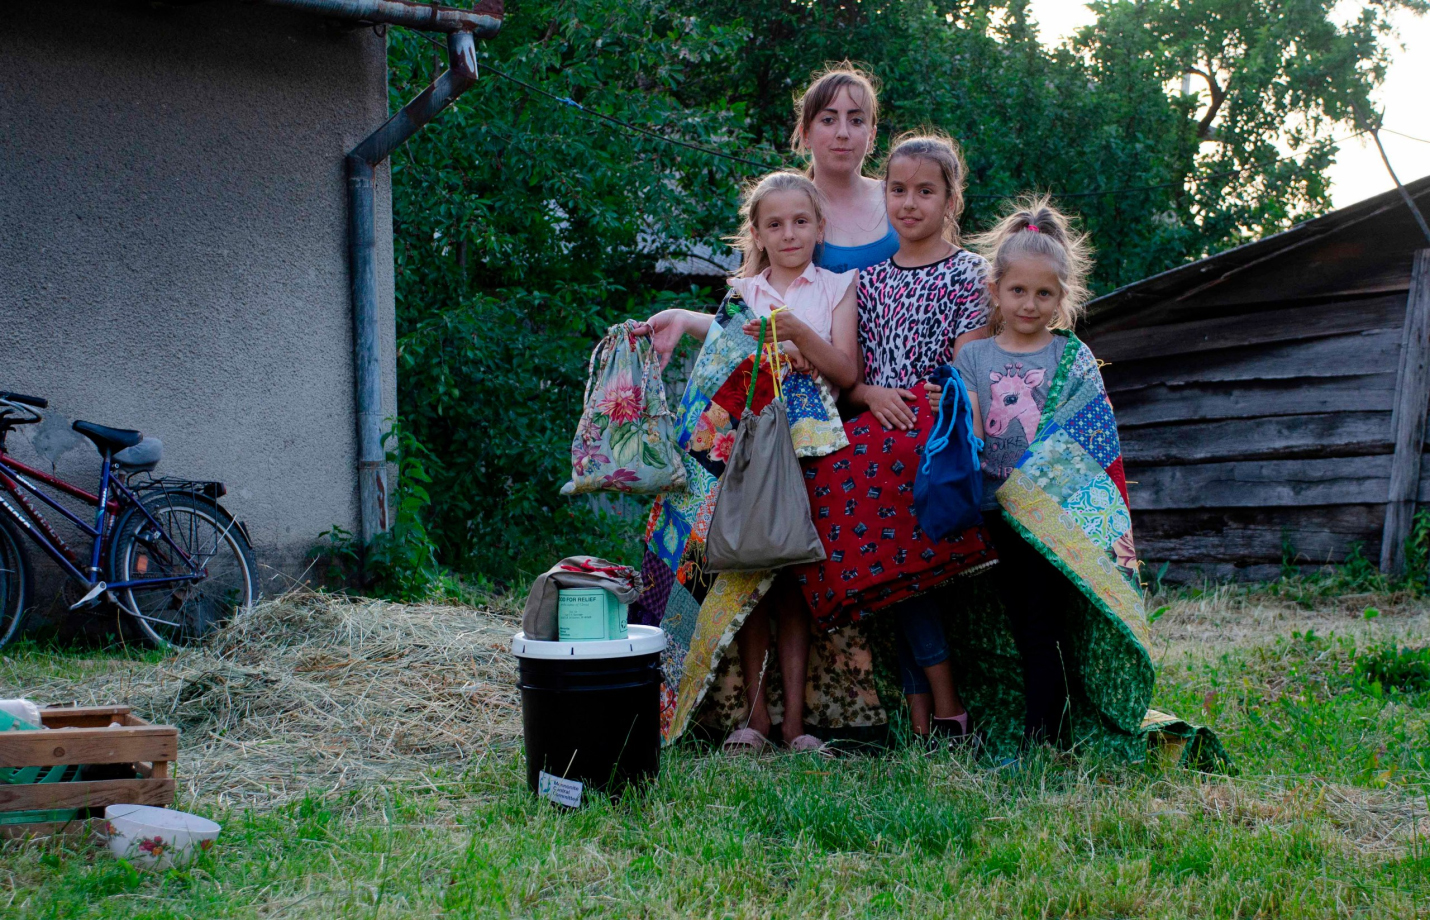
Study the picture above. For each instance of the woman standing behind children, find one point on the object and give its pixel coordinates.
(915, 311)
(782, 223)
(1040, 266)
(836, 122)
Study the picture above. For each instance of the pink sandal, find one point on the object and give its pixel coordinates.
(808, 744)
(745, 741)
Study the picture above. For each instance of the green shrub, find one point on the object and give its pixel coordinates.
(1395, 668)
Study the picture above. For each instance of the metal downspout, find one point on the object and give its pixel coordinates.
(362, 163)
(462, 26)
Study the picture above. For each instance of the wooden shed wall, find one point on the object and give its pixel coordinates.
(1255, 416)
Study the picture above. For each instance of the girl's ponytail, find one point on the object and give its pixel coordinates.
(1034, 227)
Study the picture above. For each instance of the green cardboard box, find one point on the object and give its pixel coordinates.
(586, 614)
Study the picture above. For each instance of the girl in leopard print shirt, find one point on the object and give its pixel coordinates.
(915, 311)
(917, 308)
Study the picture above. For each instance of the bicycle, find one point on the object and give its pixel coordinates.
(163, 551)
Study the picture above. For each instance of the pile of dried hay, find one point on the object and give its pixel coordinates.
(312, 694)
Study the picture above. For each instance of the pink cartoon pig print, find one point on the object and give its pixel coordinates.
(1012, 398)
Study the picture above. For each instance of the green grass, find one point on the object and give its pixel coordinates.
(52, 659)
(1326, 817)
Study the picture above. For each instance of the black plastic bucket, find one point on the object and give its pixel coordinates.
(590, 711)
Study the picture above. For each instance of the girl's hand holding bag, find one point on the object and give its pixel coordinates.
(948, 488)
(761, 518)
(625, 441)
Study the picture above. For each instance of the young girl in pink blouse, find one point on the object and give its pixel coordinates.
(783, 222)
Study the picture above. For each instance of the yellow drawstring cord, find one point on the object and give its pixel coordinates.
(776, 358)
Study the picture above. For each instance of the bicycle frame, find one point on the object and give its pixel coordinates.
(16, 476)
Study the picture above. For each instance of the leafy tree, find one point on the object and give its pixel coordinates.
(1264, 74)
(525, 224)
(1108, 112)
(523, 229)
(1025, 116)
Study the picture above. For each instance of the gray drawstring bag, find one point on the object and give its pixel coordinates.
(761, 519)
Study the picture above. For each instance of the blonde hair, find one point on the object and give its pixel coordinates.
(1035, 228)
(821, 92)
(940, 149)
(753, 259)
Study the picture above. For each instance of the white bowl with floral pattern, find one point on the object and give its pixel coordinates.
(157, 837)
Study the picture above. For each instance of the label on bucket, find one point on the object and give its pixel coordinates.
(616, 621)
(581, 614)
(561, 791)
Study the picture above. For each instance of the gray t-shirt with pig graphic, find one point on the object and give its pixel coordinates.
(1011, 388)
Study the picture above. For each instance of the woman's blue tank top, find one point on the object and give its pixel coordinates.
(843, 258)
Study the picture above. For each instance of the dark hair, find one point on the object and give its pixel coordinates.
(820, 93)
(1033, 227)
(938, 148)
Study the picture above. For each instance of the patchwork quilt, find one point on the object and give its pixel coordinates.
(1068, 498)
(700, 611)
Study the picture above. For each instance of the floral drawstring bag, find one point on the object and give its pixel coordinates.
(625, 441)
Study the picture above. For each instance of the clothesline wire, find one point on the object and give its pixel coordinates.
(714, 152)
(1419, 140)
(568, 101)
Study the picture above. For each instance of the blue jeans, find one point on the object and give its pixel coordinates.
(921, 641)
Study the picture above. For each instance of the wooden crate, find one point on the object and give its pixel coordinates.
(81, 735)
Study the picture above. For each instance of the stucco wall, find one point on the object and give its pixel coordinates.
(173, 244)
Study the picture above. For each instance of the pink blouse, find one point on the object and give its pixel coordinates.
(812, 296)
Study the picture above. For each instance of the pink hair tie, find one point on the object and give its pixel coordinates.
(1032, 229)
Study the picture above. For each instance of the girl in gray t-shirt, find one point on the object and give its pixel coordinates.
(1009, 389)
(1039, 267)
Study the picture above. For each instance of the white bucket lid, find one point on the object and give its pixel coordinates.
(642, 640)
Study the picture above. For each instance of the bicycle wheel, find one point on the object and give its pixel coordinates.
(16, 580)
(182, 613)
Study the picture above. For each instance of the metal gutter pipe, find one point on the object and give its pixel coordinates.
(483, 21)
(463, 27)
(362, 164)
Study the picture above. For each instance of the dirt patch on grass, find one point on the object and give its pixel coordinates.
(1365, 820)
(1230, 616)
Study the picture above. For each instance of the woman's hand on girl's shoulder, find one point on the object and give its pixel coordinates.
(889, 405)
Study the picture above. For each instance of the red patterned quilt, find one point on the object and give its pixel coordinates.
(862, 499)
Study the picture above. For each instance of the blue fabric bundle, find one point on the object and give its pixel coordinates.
(948, 488)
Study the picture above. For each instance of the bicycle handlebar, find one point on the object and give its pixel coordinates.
(36, 401)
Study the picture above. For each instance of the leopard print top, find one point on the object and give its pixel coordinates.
(910, 317)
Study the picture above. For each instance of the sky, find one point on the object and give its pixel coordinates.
(1358, 172)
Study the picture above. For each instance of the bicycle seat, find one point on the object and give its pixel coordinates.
(142, 457)
(107, 439)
